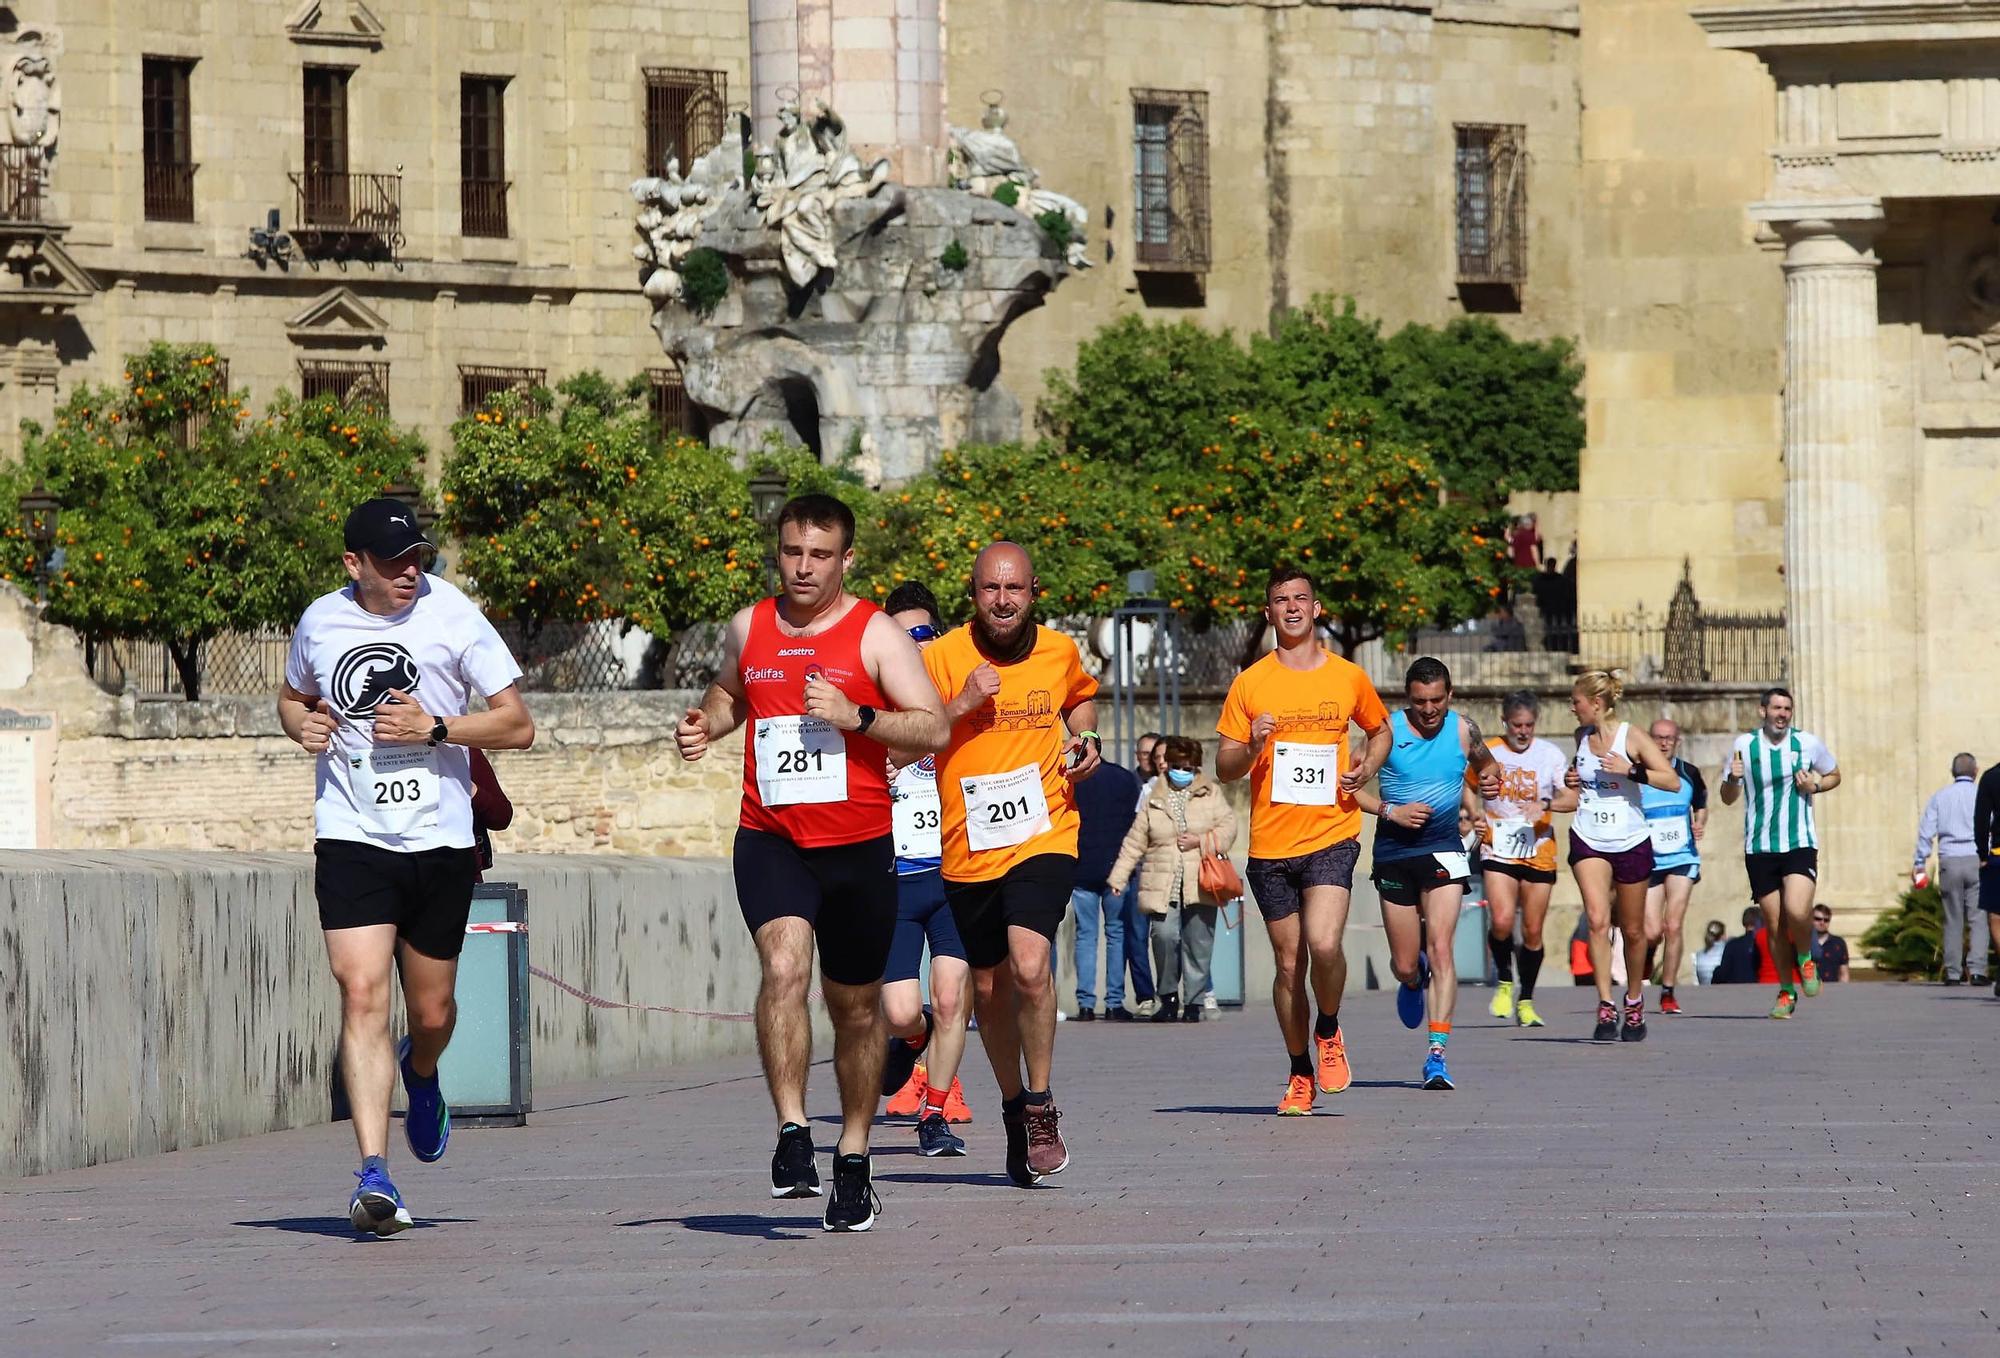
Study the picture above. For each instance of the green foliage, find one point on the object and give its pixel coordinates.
(1360, 512)
(181, 520)
(704, 280)
(1055, 225)
(695, 552)
(1495, 414)
(954, 257)
(1008, 195)
(1909, 940)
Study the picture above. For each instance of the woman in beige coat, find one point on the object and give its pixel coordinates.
(1183, 809)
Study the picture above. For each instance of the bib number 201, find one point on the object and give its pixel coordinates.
(1004, 809)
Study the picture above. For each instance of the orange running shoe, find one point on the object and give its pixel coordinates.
(1334, 1074)
(954, 1103)
(1809, 976)
(1298, 1100)
(909, 1100)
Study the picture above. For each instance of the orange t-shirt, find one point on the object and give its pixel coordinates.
(1019, 733)
(1313, 707)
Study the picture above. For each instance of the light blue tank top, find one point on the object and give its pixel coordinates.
(1428, 771)
(1670, 817)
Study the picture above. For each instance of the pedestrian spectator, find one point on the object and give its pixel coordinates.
(490, 811)
(1829, 949)
(1548, 587)
(1566, 603)
(1947, 823)
(1746, 958)
(1710, 957)
(1185, 815)
(1138, 958)
(1506, 632)
(1106, 804)
(1524, 542)
(1986, 847)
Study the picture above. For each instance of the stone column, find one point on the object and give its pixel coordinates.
(1838, 531)
(879, 63)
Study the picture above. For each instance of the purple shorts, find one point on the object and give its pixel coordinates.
(1627, 865)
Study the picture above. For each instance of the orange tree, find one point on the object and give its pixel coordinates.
(183, 519)
(1362, 514)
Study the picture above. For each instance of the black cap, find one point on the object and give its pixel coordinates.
(386, 527)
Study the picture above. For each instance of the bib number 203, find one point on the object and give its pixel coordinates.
(399, 791)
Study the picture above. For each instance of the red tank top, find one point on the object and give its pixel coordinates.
(787, 779)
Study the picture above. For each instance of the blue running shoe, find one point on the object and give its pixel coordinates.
(428, 1122)
(934, 1138)
(376, 1206)
(1435, 1075)
(1410, 998)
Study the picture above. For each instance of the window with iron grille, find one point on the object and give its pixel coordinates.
(359, 383)
(326, 189)
(166, 145)
(1491, 168)
(685, 111)
(1170, 180)
(479, 383)
(482, 155)
(667, 397)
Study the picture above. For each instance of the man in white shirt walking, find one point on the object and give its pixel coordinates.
(1947, 823)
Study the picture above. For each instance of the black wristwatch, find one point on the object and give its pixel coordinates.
(440, 733)
(867, 719)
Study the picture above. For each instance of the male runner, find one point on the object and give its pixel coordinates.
(813, 671)
(1782, 769)
(1677, 820)
(376, 686)
(1284, 724)
(1519, 860)
(1022, 720)
(922, 917)
(1420, 860)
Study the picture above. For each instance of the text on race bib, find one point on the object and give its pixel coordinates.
(1454, 864)
(1004, 809)
(800, 760)
(1670, 835)
(1513, 838)
(395, 787)
(1305, 775)
(917, 817)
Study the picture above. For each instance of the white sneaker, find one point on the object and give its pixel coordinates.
(1146, 1008)
(1208, 1001)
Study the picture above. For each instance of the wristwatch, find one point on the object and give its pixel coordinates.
(440, 733)
(867, 718)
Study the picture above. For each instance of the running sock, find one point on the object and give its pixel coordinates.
(933, 1099)
(1326, 1025)
(1666, 992)
(1531, 968)
(1302, 1064)
(1011, 1107)
(1503, 957)
(1440, 1034)
(1032, 1099)
(375, 1162)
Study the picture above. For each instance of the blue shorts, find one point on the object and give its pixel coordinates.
(1691, 871)
(921, 917)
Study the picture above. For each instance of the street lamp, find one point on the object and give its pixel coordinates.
(767, 501)
(39, 511)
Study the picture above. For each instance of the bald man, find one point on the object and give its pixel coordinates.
(1947, 824)
(1022, 733)
(1676, 822)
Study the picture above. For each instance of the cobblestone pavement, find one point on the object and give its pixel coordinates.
(1733, 1185)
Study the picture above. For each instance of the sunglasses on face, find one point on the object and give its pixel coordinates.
(1822, 919)
(923, 631)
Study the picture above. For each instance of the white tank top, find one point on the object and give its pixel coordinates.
(1609, 814)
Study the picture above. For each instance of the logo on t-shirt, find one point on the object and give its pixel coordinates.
(363, 677)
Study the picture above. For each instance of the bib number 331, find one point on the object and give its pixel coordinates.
(1004, 809)
(395, 787)
(800, 759)
(1305, 775)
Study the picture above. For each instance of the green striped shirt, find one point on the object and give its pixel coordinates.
(1778, 818)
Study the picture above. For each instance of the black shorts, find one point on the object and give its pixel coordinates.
(1033, 894)
(1280, 884)
(922, 918)
(1520, 872)
(1768, 871)
(425, 893)
(1989, 886)
(846, 892)
(1403, 881)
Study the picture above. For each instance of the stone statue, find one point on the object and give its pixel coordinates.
(815, 170)
(984, 160)
(672, 211)
(32, 102)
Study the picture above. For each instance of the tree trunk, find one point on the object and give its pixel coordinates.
(185, 652)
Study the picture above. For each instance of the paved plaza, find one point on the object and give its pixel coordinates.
(1734, 1185)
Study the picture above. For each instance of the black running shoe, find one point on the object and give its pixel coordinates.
(853, 1205)
(1607, 1023)
(1015, 1121)
(1634, 1029)
(902, 1060)
(1086, 1016)
(935, 1138)
(793, 1173)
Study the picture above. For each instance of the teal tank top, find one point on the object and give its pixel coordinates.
(1428, 771)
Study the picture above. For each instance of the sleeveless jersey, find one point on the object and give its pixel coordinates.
(1670, 821)
(1428, 771)
(919, 839)
(1610, 816)
(802, 778)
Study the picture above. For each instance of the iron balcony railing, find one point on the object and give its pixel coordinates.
(482, 206)
(170, 192)
(20, 184)
(348, 216)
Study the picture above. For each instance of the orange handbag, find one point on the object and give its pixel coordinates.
(1219, 880)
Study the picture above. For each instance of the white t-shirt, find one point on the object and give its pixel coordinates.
(438, 650)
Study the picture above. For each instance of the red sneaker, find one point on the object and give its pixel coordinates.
(954, 1103)
(1668, 1004)
(908, 1101)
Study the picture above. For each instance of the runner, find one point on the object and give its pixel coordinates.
(1676, 822)
(1610, 849)
(376, 685)
(922, 918)
(1021, 732)
(1520, 855)
(810, 672)
(1284, 725)
(1783, 770)
(1420, 860)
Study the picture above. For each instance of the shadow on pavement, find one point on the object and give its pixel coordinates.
(976, 1180)
(739, 1223)
(1256, 1110)
(339, 1228)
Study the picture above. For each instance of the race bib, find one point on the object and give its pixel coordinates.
(917, 818)
(800, 759)
(1669, 836)
(1513, 838)
(1602, 817)
(1455, 865)
(1004, 809)
(395, 787)
(1305, 775)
